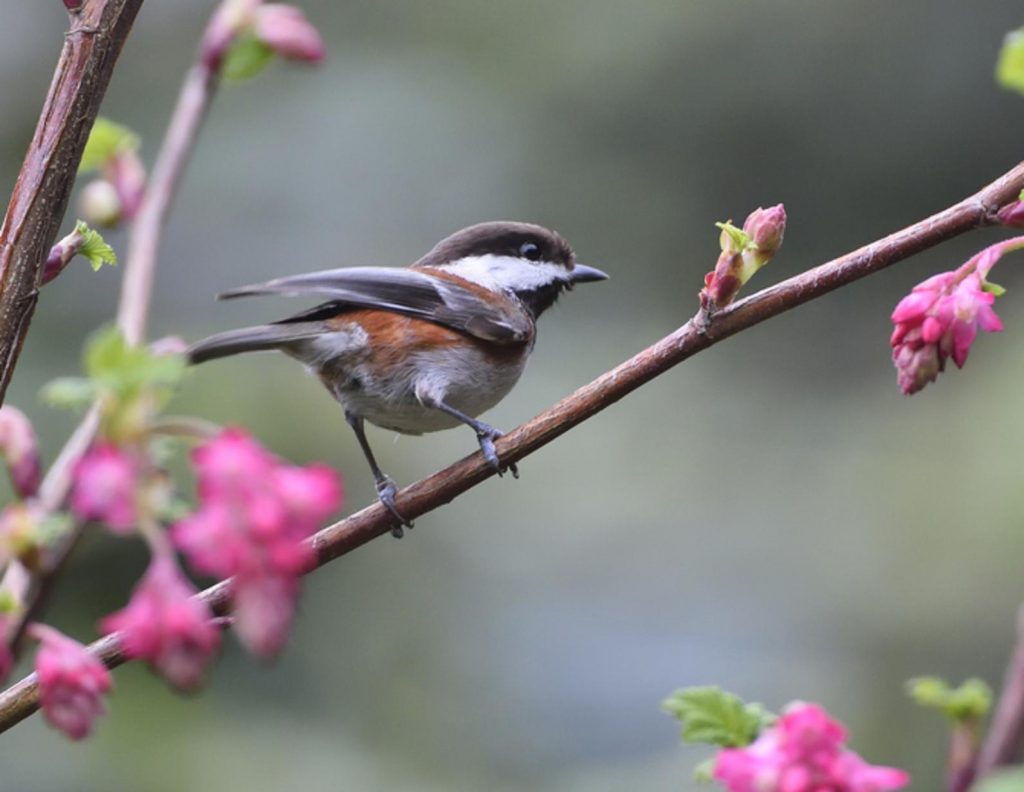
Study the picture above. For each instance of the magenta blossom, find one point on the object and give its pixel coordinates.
(168, 627)
(802, 752)
(72, 682)
(106, 482)
(255, 514)
(20, 451)
(941, 317)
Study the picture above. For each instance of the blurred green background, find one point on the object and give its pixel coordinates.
(772, 516)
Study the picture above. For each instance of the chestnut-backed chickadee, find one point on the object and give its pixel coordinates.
(421, 348)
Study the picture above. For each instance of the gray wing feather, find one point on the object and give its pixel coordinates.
(406, 292)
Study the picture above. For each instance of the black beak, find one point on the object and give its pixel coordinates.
(581, 273)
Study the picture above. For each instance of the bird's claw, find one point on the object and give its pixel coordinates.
(386, 491)
(486, 440)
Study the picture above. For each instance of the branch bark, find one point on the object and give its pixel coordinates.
(41, 193)
(22, 699)
(1005, 735)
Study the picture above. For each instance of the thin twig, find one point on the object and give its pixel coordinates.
(136, 289)
(1005, 735)
(44, 184)
(22, 699)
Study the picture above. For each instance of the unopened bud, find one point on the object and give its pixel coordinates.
(20, 451)
(286, 30)
(127, 174)
(766, 228)
(744, 252)
(1012, 215)
(100, 204)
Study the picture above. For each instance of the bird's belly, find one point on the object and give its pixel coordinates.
(464, 377)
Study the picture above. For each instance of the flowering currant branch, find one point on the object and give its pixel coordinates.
(703, 331)
(40, 196)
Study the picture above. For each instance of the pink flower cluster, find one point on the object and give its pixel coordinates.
(254, 516)
(940, 319)
(167, 626)
(72, 682)
(802, 752)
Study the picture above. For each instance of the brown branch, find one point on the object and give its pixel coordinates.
(41, 192)
(22, 699)
(1005, 735)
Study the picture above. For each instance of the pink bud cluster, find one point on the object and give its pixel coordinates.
(283, 28)
(72, 682)
(743, 254)
(941, 317)
(803, 751)
(254, 516)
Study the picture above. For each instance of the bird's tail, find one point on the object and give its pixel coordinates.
(250, 339)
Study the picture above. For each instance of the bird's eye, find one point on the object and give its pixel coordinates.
(528, 250)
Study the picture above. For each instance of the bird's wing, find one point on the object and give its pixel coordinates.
(404, 291)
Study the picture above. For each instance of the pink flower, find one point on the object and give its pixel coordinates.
(802, 752)
(72, 682)
(106, 481)
(286, 30)
(255, 514)
(941, 317)
(20, 451)
(168, 627)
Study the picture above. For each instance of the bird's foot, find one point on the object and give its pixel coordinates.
(486, 435)
(386, 491)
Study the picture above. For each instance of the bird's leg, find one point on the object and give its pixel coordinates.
(385, 486)
(485, 435)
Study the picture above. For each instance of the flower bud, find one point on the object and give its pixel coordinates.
(766, 228)
(20, 451)
(106, 484)
(286, 30)
(100, 204)
(744, 252)
(1012, 215)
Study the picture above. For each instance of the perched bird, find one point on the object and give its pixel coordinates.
(421, 348)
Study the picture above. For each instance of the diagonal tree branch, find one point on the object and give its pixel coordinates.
(22, 699)
(91, 47)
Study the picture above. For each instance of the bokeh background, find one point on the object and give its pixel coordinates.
(772, 516)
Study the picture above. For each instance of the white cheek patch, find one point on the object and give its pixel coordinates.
(507, 272)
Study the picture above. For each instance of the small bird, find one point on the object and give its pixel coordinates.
(422, 348)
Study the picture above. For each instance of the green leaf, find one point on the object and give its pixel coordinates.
(993, 288)
(971, 701)
(740, 238)
(68, 392)
(704, 773)
(246, 58)
(1006, 781)
(710, 715)
(105, 140)
(94, 248)
(112, 364)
